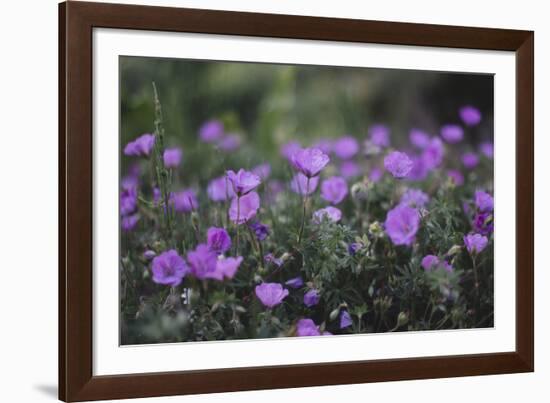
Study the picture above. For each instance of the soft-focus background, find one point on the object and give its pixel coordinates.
(268, 105)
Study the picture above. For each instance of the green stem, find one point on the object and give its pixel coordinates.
(304, 211)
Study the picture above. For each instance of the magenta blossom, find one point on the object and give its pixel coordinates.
(345, 147)
(470, 160)
(432, 262)
(211, 131)
(149, 254)
(334, 189)
(401, 225)
(484, 201)
(419, 170)
(299, 184)
(128, 201)
(456, 176)
(375, 174)
(244, 208)
(483, 223)
(310, 161)
(220, 189)
(419, 138)
(243, 181)
(452, 133)
(330, 213)
(289, 149)
(169, 268)
(226, 268)
(269, 258)
(470, 115)
(380, 135)
(140, 147)
(129, 222)
(172, 157)
(414, 198)
(349, 169)
(432, 156)
(325, 145)
(306, 327)
(271, 294)
(229, 142)
(260, 230)
(185, 201)
(311, 298)
(295, 282)
(475, 243)
(218, 240)
(262, 170)
(202, 262)
(345, 319)
(487, 148)
(398, 164)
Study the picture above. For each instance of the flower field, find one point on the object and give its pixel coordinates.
(238, 224)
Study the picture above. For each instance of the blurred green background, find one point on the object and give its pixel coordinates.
(268, 105)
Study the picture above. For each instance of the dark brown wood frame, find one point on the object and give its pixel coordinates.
(76, 23)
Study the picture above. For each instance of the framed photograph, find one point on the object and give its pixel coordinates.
(253, 201)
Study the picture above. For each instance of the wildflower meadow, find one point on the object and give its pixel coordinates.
(261, 201)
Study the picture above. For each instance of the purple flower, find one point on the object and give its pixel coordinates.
(306, 327)
(470, 116)
(452, 133)
(185, 201)
(140, 147)
(310, 161)
(487, 148)
(401, 224)
(299, 184)
(295, 282)
(325, 145)
(419, 170)
(244, 208)
(475, 243)
(345, 148)
(456, 176)
(311, 298)
(129, 222)
(470, 160)
(262, 170)
(229, 142)
(269, 258)
(243, 181)
(128, 201)
(429, 262)
(172, 157)
(345, 319)
(349, 169)
(218, 240)
(419, 138)
(432, 156)
(415, 198)
(483, 223)
(334, 189)
(211, 131)
(260, 230)
(380, 135)
(289, 149)
(271, 294)
(398, 164)
(202, 262)
(354, 247)
(484, 201)
(225, 268)
(149, 254)
(169, 268)
(375, 174)
(330, 213)
(220, 189)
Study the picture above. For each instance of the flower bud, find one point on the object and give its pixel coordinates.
(402, 319)
(376, 230)
(359, 191)
(334, 314)
(455, 249)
